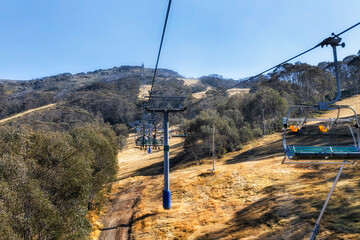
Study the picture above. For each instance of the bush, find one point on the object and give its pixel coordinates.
(200, 132)
(257, 132)
(246, 135)
(48, 179)
(122, 133)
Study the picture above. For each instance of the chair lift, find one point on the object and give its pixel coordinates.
(179, 131)
(324, 154)
(147, 140)
(166, 104)
(142, 142)
(156, 141)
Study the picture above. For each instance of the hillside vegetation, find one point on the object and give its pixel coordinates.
(58, 163)
(249, 196)
(113, 93)
(48, 180)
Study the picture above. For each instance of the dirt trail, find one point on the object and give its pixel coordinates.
(119, 220)
(26, 112)
(137, 168)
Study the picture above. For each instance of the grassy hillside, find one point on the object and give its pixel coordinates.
(249, 196)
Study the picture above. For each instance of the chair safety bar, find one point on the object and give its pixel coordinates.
(346, 120)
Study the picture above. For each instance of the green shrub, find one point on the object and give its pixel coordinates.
(49, 179)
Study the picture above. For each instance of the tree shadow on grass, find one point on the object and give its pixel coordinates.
(158, 167)
(273, 149)
(265, 217)
(290, 212)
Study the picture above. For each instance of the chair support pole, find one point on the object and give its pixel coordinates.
(317, 224)
(166, 191)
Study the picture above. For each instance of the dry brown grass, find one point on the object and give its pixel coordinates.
(231, 92)
(190, 81)
(249, 196)
(198, 95)
(248, 200)
(242, 91)
(353, 101)
(207, 202)
(144, 89)
(96, 225)
(201, 94)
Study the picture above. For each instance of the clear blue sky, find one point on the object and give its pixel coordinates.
(233, 38)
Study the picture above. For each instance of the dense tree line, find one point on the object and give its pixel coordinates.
(55, 165)
(121, 86)
(10, 105)
(302, 83)
(113, 108)
(61, 118)
(237, 120)
(217, 81)
(48, 180)
(64, 118)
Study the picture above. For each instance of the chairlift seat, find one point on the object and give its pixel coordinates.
(147, 142)
(322, 152)
(157, 142)
(178, 135)
(166, 104)
(294, 152)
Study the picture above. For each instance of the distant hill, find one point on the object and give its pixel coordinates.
(114, 93)
(111, 92)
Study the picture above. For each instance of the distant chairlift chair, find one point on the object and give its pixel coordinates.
(145, 141)
(156, 142)
(179, 131)
(142, 142)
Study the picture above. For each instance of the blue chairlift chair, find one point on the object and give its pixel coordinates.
(339, 153)
(347, 152)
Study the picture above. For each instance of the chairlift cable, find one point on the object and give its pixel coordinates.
(255, 76)
(161, 43)
(278, 65)
(355, 25)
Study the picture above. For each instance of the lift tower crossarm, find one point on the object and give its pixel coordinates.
(333, 41)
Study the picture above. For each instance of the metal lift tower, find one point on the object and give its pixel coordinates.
(166, 104)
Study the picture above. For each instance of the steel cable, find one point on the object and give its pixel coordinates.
(161, 43)
(278, 65)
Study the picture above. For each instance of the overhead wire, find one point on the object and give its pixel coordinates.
(276, 66)
(355, 25)
(160, 47)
